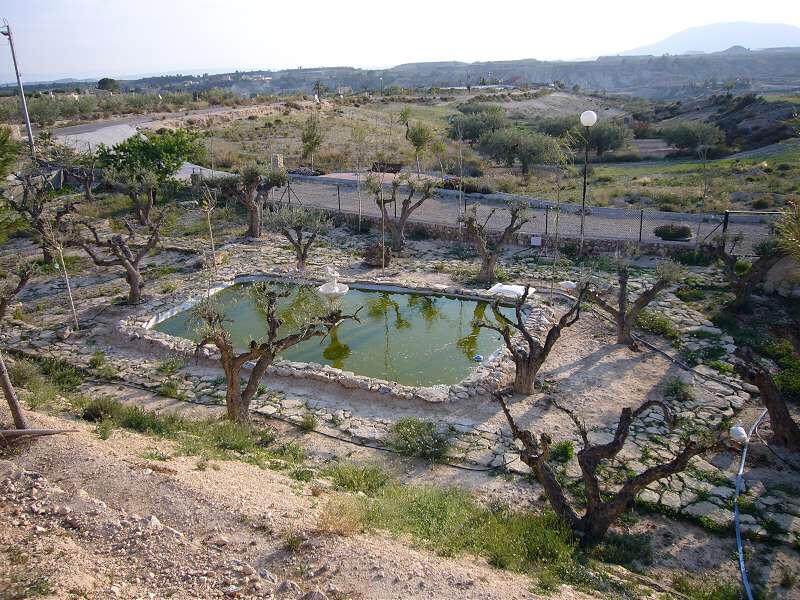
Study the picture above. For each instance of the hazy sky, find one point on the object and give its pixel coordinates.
(90, 38)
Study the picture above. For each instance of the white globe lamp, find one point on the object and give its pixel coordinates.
(739, 435)
(588, 118)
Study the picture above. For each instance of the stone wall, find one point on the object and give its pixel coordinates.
(455, 233)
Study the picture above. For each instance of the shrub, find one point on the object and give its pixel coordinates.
(469, 185)
(231, 436)
(308, 422)
(368, 479)
(706, 590)
(100, 408)
(693, 258)
(626, 550)
(62, 374)
(421, 439)
(171, 366)
(97, 360)
(658, 324)
(562, 451)
(762, 203)
(171, 389)
(678, 390)
(689, 294)
(673, 232)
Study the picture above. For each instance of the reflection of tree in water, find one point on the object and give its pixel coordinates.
(336, 351)
(427, 307)
(469, 343)
(381, 306)
(298, 310)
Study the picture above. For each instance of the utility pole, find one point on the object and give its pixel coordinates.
(6, 31)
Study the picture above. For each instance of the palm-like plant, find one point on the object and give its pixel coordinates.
(788, 230)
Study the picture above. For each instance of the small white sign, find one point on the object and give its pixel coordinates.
(536, 240)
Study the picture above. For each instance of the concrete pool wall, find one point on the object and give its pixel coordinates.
(483, 379)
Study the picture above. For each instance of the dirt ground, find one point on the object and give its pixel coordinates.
(87, 518)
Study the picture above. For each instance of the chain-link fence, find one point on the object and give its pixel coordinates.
(598, 223)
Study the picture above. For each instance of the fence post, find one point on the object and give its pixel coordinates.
(339, 197)
(725, 221)
(641, 223)
(546, 220)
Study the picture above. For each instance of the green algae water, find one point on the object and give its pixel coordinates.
(413, 339)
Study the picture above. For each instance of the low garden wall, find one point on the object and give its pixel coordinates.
(440, 231)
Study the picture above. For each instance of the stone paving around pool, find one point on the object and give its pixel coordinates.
(703, 493)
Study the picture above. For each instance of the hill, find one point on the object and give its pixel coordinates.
(722, 36)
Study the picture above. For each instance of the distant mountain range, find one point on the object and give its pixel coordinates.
(702, 61)
(722, 36)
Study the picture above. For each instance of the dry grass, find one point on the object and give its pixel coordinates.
(341, 515)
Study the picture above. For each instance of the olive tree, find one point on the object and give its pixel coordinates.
(311, 137)
(698, 137)
(755, 372)
(489, 244)
(625, 313)
(300, 227)
(743, 283)
(308, 317)
(601, 507)
(118, 250)
(251, 188)
(420, 136)
(141, 165)
(77, 164)
(35, 205)
(422, 189)
(529, 353)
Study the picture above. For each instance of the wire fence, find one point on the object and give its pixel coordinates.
(634, 225)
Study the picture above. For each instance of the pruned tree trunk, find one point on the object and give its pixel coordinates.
(524, 375)
(142, 207)
(301, 258)
(263, 354)
(743, 286)
(398, 236)
(487, 272)
(254, 220)
(88, 182)
(123, 255)
(236, 407)
(784, 428)
(135, 284)
(11, 396)
(24, 274)
(489, 248)
(625, 314)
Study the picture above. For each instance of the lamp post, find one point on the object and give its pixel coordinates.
(588, 119)
(6, 31)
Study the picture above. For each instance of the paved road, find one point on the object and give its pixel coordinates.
(614, 224)
(617, 224)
